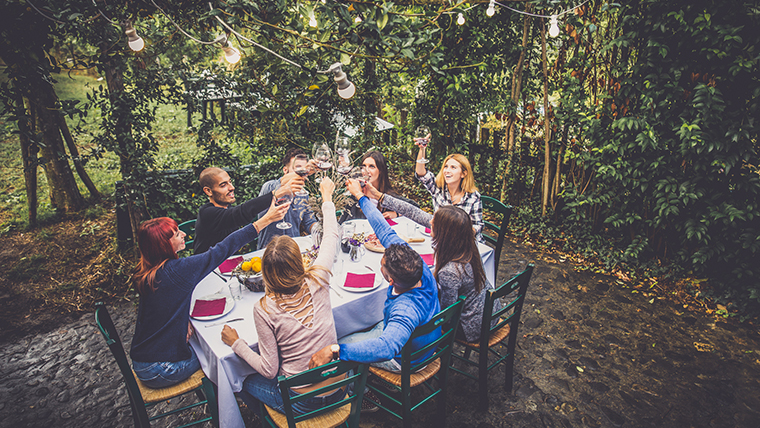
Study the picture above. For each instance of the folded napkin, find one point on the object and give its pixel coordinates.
(391, 222)
(207, 308)
(428, 259)
(427, 230)
(360, 280)
(229, 264)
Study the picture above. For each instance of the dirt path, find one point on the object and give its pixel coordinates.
(589, 354)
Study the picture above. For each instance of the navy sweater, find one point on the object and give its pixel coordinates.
(215, 223)
(161, 329)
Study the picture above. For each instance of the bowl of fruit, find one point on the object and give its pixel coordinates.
(248, 272)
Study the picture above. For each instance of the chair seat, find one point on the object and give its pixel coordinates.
(326, 420)
(496, 337)
(415, 379)
(151, 395)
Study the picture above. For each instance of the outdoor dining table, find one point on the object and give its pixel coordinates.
(353, 311)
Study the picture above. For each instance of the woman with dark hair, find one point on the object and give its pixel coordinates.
(161, 356)
(375, 169)
(458, 267)
(293, 320)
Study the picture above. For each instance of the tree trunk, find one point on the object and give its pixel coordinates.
(77, 159)
(547, 136)
(29, 151)
(509, 146)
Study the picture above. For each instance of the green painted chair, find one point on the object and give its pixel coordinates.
(141, 397)
(505, 329)
(345, 412)
(434, 367)
(497, 240)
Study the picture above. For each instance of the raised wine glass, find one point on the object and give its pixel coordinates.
(283, 200)
(322, 155)
(422, 138)
(342, 143)
(301, 167)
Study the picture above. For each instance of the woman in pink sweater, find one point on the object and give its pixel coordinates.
(293, 320)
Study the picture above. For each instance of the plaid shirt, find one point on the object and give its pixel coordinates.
(470, 202)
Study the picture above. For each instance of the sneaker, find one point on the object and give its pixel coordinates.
(367, 406)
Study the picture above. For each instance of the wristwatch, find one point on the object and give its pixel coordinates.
(335, 351)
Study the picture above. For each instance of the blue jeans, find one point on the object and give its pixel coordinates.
(164, 374)
(391, 365)
(258, 389)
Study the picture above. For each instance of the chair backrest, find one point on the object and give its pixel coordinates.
(357, 377)
(111, 336)
(447, 320)
(189, 228)
(505, 212)
(512, 310)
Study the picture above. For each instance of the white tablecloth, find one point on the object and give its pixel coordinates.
(352, 311)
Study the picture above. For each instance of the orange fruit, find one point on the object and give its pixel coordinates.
(246, 266)
(256, 264)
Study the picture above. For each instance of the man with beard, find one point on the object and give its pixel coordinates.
(218, 218)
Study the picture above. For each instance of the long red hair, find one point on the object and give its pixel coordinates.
(154, 239)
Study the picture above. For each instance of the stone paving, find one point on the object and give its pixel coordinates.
(590, 354)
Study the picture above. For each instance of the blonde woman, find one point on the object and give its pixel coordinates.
(293, 320)
(454, 185)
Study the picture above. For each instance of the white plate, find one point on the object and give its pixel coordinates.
(229, 303)
(359, 271)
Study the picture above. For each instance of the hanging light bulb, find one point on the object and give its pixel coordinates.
(231, 54)
(135, 42)
(460, 19)
(358, 19)
(312, 20)
(346, 88)
(491, 8)
(553, 26)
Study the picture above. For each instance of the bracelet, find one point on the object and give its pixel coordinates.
(380, 200)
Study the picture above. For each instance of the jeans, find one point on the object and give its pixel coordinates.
(164, 374)
(258, 389)
(391, 365)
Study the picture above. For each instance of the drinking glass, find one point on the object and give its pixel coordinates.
(342, 143)
(283, 200)
(344, 163)
(323, 157)
(301, 167)
(422, 138)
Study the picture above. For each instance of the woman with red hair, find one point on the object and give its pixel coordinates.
(161, 356)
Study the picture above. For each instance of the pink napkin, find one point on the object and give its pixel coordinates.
(229, 264)
(364, 280)
(391, 222)
(428, 259)
(207, 308)
(427, 230)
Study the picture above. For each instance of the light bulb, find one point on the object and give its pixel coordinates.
(491, 8)
(312, 21)
(460, 19)
(346, 89)
(135, 42)
(358, 19)
(553, 27)
(231, 54)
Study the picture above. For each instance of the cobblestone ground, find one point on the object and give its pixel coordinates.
(590, 353)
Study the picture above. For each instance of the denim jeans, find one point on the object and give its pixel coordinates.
(257, 388)
(391, 365)
(164, 374)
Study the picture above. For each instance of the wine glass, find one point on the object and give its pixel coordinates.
(342, 143)
(301, 167)
(323, 156)
(283, 200)
(422, 138)
(344, 163)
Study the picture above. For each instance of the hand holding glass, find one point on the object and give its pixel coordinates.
(422, 138)
(301, 167)
(283, 200)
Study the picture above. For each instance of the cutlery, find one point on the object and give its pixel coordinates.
(370, 269)
(220, 275)
(224, 322)
(336, 291)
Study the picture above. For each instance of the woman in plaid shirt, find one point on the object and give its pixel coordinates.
(454, 185)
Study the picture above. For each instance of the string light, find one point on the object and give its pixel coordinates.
(312, 20)
(135, 42)
(231, 54)
(491, 8)
(460, 19)
(553, 27)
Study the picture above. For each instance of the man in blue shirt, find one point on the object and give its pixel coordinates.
(411, 300)
(299, 215)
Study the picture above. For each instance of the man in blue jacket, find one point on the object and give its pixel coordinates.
(412, 300)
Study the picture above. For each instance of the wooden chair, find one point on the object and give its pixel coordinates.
(422, 372)
(346, 411)
(505, 328)
(505, 211)
(189, 228)
(142, 397)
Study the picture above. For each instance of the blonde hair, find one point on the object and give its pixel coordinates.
(467, 183)
(283, 271)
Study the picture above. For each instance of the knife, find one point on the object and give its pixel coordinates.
(224, 322)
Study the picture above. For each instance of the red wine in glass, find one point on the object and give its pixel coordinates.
(283, 200)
